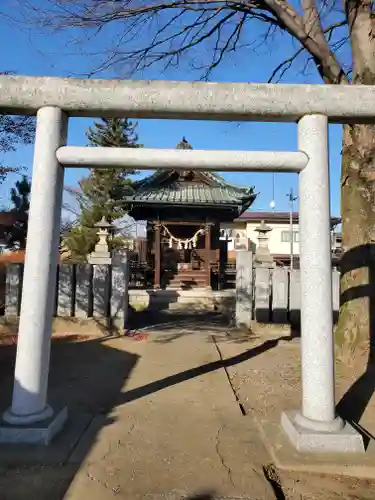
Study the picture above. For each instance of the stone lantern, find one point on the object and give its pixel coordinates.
(101, 254)
(263, 257)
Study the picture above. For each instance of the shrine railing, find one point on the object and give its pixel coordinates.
(141, 276)
(225, 278)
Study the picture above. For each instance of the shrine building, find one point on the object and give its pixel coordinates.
(184, 210)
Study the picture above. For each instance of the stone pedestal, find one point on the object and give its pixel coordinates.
(311, 436)
(38, 433)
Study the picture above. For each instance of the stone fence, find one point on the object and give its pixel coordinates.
(85, 290)
(276, 295)
(82, 290)
(270, 294)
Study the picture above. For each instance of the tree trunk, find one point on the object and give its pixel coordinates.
(356, 322)
(356, 325)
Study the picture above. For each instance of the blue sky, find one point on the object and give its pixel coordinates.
(39, 54)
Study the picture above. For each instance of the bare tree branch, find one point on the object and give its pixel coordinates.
(176, 28)
(284, 66)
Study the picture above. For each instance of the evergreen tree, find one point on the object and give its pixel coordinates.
(114, 133)
(20, 197)
(102, 193)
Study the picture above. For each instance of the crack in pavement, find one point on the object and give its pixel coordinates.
(115, 490)
(222, 460)
(114, 447)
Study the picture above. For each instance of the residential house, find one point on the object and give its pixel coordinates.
(279, 237)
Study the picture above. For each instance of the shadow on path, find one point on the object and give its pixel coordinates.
(88, 377)
(177, 378)
(166, 321)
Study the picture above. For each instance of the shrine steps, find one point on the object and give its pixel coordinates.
(195, 299)
(188, 279)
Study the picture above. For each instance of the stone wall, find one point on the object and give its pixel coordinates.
(82, 290)
(276, 295)
(85, 290)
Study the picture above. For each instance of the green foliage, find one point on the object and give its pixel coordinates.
(102, 193)
(79, 241)
(20, 196)
(114, 133)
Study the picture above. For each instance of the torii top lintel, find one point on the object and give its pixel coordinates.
(187, 100)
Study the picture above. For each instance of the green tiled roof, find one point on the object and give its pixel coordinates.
(172, 187)
(216, 191)
(192, 193)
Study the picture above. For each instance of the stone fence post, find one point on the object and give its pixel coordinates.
(244, 288)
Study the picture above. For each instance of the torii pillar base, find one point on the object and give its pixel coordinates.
(17, 430)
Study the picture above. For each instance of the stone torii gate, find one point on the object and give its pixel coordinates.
(315, 427)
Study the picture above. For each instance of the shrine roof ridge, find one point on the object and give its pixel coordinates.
(193, 194)
(159, 175)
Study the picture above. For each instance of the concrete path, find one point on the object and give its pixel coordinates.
(177, 431)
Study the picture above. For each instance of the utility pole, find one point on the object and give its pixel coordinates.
(292, 199)
(273, 203)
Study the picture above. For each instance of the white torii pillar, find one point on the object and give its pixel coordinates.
(316, 427)
(29, 403)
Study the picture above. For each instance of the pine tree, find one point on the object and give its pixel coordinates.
(114, 133)
(20, 195)
(103, 191)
